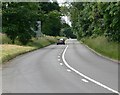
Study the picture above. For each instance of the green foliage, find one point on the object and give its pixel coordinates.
(20, 17)
(112, 21)
(96, 18)
(42, 41)
(64, 10)
(67, 31)
(5, 39)
(48, 6)
(52, 24)
(51, 20)
(101, 45)
(10, 51)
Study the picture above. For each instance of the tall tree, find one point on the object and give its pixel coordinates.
(48, 6)
(52, 24)
(96, 18)
(18, 18)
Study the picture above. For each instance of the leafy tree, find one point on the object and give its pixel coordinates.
(96, 18)
(18, 18)
(52, 24)
(67, 31)
(48, 6)
(112, 21)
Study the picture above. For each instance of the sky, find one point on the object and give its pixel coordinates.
(67, 19)
(60, 2)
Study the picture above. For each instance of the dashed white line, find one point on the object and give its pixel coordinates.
(86, 77)
(84, 80)
(61, 64)
(58, 59)
(68, 70)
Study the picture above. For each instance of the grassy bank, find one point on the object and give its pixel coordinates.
(10, 51)
(102, 46)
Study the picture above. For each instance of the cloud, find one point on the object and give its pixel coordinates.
(67, 19)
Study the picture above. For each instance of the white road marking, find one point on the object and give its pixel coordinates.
(68, 70)
(58, 56)
(58, 59)
(86, 77)
(84, 80)
(61, 64)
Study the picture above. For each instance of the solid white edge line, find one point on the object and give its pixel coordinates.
(88, 78)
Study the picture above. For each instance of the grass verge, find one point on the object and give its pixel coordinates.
(102, 46)
(10, 51)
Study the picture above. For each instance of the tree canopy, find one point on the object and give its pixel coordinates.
(20, 17)
(96, 18)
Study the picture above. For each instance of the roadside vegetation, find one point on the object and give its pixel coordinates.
(25, 20)
(101, 45)
(28, 26)
(92, 21)
(10, 51)
(98, 23)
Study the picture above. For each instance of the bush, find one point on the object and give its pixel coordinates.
(42, 41)
(5, 39)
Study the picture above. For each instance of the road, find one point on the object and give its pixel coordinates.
(70, 68)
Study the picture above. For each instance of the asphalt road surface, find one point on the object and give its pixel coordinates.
(70, 68)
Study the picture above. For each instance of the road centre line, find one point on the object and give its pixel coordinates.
(58, 59)
(68, 70)
(61, 64)
(84, 80)
(86, 77)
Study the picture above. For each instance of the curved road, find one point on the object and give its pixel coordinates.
(46, 71)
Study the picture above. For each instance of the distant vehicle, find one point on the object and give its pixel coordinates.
(61, 41)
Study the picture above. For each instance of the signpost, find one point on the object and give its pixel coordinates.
(38, 32)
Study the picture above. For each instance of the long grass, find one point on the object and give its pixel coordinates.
(4, 39)
(104, 47)
(42, 41)
(10, 51)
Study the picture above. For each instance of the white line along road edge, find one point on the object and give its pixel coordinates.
(86, 77)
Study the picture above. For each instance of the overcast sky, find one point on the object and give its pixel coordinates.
(64, 17)
(67, 19)
(61, 1)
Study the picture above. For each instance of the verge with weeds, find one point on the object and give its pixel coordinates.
(103, 46)
(10, 51)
